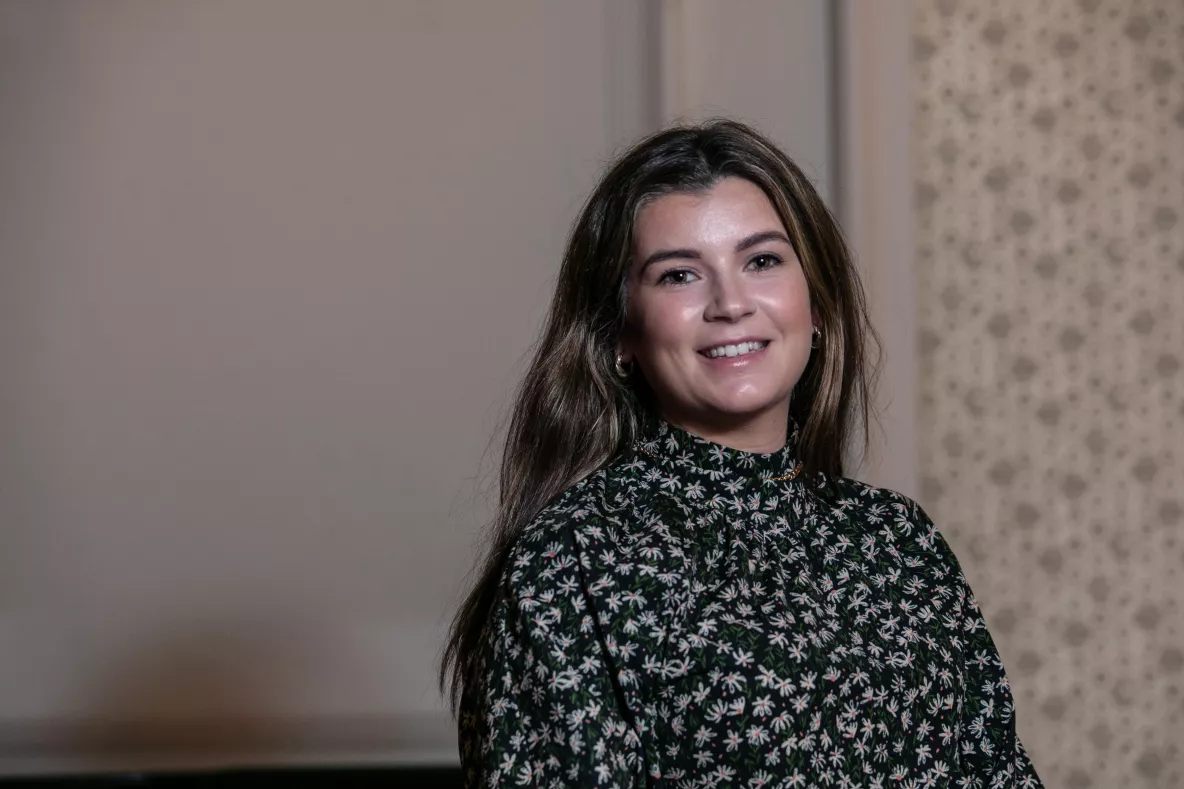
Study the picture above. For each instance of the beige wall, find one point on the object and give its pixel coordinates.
(1049, 153)
(269, 269)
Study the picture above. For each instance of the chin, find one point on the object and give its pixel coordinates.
(738, 407)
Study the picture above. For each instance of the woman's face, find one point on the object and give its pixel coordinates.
(719, 317)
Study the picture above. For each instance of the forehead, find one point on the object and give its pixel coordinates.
(732, 208)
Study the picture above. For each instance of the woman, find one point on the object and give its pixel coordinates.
(682, 587)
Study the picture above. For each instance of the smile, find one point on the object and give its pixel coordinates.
(741, 349)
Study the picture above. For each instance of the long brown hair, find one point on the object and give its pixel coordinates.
(573, 415)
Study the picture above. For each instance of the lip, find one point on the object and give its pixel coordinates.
(736, 362)
(706, 348)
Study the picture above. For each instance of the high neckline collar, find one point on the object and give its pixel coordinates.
(673, 446)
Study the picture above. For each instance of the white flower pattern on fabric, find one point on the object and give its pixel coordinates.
(679, 619)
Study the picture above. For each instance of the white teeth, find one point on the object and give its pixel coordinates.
(735, 350)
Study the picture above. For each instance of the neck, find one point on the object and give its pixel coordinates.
(761, 434)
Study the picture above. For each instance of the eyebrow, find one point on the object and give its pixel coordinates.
(693, 254)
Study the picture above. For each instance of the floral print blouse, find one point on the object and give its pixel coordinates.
(697, 616)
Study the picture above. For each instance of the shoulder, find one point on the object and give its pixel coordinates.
(601, 506)
(895, 518)
(600, 533)
(859, 499)
(584, 510)
(588, 514)
(893, 526)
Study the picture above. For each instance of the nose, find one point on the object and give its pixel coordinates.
(730, 300)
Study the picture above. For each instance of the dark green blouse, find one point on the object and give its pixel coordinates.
(697, 616)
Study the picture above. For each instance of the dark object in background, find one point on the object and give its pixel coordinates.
(413, 778)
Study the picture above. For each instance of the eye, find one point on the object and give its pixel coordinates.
(765, 262)
(677, 277)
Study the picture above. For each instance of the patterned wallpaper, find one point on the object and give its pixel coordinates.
(1049, 150)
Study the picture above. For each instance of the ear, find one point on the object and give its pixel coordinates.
(814, 317)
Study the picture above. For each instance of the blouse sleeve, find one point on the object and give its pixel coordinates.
(550, 712)
(990, 748)
(990, 752)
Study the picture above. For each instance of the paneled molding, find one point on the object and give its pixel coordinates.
(765, 62)
(875, 206)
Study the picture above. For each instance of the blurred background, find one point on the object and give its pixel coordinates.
(269, 270)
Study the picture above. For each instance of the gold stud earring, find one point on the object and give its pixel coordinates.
(619, 365)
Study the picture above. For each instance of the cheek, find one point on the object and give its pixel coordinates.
(664, 326)
(789, 305)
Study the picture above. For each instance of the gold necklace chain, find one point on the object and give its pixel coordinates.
(782, 478)
(786, 477)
